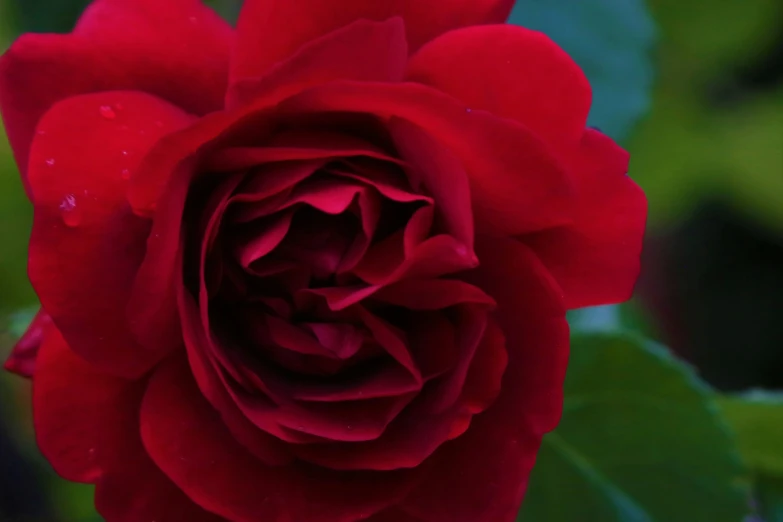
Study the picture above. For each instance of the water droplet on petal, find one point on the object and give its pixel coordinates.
(69, 211)
(41, 132)
(125, 174)
(107, 112)
(468, 110)
(50, 162)
(125, 153)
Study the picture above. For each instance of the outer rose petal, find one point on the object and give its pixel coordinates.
(509, 71)
(483, 474)
(86, 425)
(188, 440)
(25, 352)
(596, 260)
(86, 244)
(269, 31)
(363, 50)
(177, 49)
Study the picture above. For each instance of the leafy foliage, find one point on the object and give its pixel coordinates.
(640, 441)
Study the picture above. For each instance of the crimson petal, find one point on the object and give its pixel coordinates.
(86, 245)
(177, 50)
(551, 95)
(596, 260)
(510, 200)
(87, 427)
(272, 31)
(182, 434)
(500, 447)
(363, 51)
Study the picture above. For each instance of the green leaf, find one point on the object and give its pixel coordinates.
(641, 440)
(595, 318)
(769, 495)
(228, 9)
(45, 16)
(611, 40)
(19, 321)
(757, 419)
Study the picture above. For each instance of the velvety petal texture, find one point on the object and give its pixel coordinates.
(314, 269)
(271, 31)
(87, 426)
(178, 50)
(87, 245)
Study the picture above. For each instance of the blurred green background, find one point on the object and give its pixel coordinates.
(708, 152)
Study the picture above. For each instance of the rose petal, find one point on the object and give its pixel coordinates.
(441, 175)
(363, 51)
(432, 294)
(512, 72)
(87, 427)
(596, 260)
(471, 325)
(393, 515)
(263, 240)
(186, 438)
(517, 184)
(500, 447)
(304, 146)
(429, 421)
(389, 381)
(86, 244)
(152, 305)
(270, 31)
(257, 442)
(25, 351)
(140, 491)
(82, 417)
(177, 50)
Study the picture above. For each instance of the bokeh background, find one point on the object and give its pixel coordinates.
(707, 148)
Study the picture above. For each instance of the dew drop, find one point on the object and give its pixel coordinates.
(125, 153)
(41, 132)
(125, 174)
(468, 110)
(50, 162)
(69, 211)
(107, 112)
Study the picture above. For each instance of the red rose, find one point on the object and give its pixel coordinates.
(315, 269)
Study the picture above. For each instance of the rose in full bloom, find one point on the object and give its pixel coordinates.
(314, 268)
